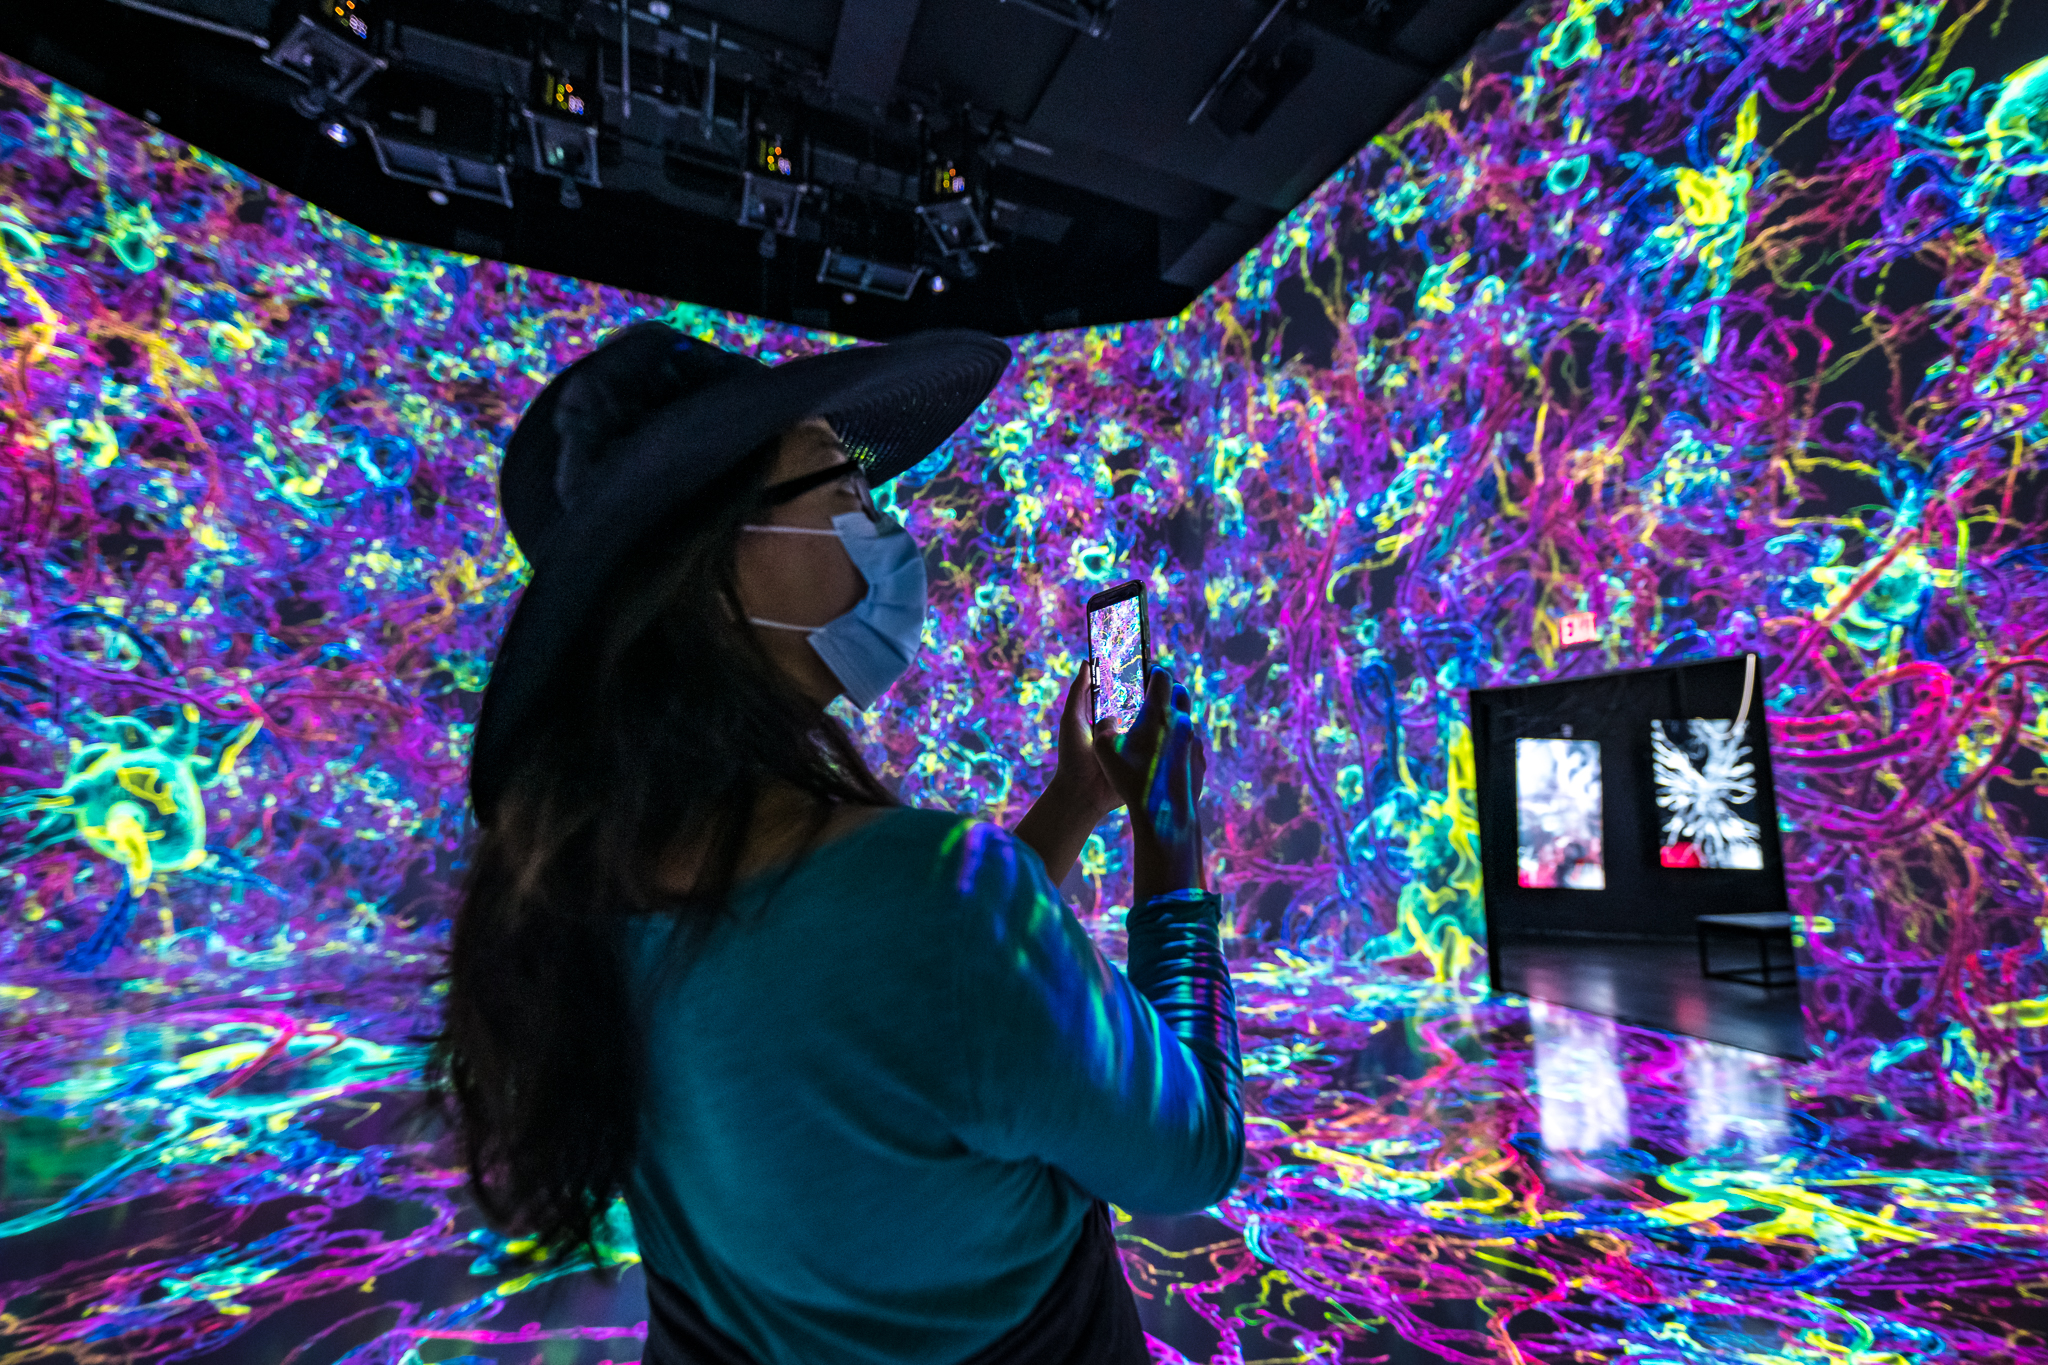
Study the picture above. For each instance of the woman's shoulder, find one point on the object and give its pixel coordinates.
(956, 856)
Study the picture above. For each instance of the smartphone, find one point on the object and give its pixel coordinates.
(1120, 648)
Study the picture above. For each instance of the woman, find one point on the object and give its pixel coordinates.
(862, 1078)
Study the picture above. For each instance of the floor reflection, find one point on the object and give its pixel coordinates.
(1582, 1106)
(1735, 1102)
(203, 1173)
(1655, 985)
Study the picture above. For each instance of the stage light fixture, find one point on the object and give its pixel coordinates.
(938, 284)
(332, 62)
(442, 171)
(563, 147)
(338, 133)
(955, 227)
(772, 188)
(947, 194)
(438, 198)
(427, 131)
(866, 276)
(767, 246)
(562, 120)
(770, 204)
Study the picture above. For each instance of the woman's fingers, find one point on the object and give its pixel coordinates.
(1170, 767)
(1077, 697)
(1188, 759)
(1153, 730)
(1160, 762)
(1107, 740)
(1185, 746)
(1151, 721)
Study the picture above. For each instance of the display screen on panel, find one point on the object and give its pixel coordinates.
(1705, 781)
(1557, 814)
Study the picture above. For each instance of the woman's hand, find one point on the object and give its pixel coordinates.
(1158, 767)
(1080, 776)
(1080, 794)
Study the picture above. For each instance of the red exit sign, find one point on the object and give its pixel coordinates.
(1579, 628)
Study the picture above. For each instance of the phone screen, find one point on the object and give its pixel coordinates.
(1116, 643)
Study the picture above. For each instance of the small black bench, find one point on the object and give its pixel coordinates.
(1766, 929)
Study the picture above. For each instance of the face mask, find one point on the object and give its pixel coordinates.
(871, 646)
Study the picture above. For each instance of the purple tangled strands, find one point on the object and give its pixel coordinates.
(1722, 322)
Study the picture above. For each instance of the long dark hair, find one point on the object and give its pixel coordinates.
(671, 721)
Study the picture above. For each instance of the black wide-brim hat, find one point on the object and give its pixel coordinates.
(619, 441)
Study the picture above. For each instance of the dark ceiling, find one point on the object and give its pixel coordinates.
(1009, 166)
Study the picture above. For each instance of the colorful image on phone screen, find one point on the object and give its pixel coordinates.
(1117, 640)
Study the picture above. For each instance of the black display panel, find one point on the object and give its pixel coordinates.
(1709, 847)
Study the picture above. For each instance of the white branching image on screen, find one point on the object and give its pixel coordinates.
(1705, 780)
(1557, 814)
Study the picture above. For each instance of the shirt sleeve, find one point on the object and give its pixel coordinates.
(1132, 1085)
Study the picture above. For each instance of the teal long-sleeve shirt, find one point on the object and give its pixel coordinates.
(881, 1095)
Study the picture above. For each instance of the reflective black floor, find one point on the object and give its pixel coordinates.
(1430, 1176)
(1658, 985)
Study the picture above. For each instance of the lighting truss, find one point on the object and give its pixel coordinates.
(1090, 16)
(1262, 73)
(245, 20)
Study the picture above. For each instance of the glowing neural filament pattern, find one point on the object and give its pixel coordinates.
(1721, 321)
(1429, 1171)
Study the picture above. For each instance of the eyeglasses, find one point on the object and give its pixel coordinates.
(849, 471)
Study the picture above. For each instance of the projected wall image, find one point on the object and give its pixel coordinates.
(1721, 321)
(1556, 345)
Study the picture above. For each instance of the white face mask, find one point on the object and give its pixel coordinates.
(873, 645)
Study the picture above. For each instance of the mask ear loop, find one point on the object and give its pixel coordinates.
(787, 531)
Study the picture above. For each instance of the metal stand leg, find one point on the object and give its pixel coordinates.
(1764, 974)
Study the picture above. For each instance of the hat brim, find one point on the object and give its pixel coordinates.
(891, 405)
